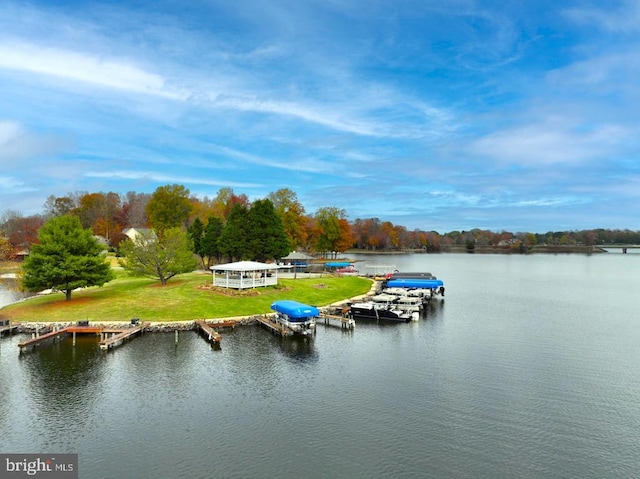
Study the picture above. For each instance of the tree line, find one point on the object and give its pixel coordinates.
(230, 226)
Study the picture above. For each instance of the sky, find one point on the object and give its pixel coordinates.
(436, 115)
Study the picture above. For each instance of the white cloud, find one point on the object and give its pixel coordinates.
(166, 178)
(18, 145)
(106, 72)
(548, 143)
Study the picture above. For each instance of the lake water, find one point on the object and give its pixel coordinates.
(528, 368)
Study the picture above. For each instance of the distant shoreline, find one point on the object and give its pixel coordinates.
(556, 249)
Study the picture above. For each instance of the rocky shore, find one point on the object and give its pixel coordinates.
(155, 326)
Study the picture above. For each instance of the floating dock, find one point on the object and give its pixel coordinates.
(268, 323)
(209, 333)
(339, 321)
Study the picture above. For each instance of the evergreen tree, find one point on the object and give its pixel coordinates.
(68, 257)
(195, 232)
(266, 236)
(233, 240)
(209, 247)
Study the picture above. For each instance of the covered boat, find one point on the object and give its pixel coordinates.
(435, 286)
(414, 283)
(298, 317)
(377, 311)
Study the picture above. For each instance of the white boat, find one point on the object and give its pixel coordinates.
(378, 310)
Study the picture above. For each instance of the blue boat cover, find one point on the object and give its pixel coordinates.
(337, 264)
(415, 283)
(294, 309)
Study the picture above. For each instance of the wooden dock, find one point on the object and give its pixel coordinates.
(272, 326)
(37, 338)
(7, 327)
(339, 321)
(209, 333)
(119, 336)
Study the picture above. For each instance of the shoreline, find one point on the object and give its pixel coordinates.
(27, 327)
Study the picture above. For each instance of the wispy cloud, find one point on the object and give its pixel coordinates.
(546, 144)
(18, 145)
(77, 66)
(164, 178)
(624, 19)
(428, 111)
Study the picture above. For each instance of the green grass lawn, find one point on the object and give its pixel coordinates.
(185, 297)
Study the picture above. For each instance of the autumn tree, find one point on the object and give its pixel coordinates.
(6, 250)
(169, 207)
(68, 257)
(58, 206)
(156, 256)
(22, 231)
(99, 211)
(292, 216)
(333, 236)
(134, 210)
(224, 202)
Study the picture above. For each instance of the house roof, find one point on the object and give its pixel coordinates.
(244, 266)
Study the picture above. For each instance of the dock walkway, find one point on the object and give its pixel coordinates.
(41, 337)
(210, 334)
(340, 321)
(7, 327)
(278, 329)
(119, 336)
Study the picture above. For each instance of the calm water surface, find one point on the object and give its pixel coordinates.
(528, 368)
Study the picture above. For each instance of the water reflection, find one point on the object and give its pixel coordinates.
(10, 291)
(62, 384)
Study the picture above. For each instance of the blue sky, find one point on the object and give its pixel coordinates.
(438, 115)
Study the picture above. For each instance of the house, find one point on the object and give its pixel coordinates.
(133, 233)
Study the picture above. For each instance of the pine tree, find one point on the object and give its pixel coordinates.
(68, 257)
(266, 236)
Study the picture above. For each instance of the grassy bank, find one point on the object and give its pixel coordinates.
(185, 297)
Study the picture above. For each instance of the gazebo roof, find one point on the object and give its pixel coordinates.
(297, 255)
(244, 266)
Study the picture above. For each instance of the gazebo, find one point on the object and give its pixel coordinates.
(297, 256)
(245, 274)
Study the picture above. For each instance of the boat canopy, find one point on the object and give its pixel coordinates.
(337, 264)
(294, 309)
(415, 283)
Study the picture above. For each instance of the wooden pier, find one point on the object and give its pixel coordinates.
(339, 321)
(209, 333)
(7, 327)
(119, 336)
(272, 326)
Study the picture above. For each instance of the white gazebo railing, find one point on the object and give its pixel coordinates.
(245, 274)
